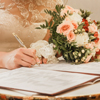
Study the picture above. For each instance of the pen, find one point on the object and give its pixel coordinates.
(21, 42)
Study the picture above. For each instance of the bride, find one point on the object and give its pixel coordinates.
(22, 17)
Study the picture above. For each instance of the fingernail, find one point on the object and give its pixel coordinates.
(29, 66)
(45, 62)
(34, 51)
(38, 60)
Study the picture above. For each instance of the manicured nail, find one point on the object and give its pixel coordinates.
(44, 61)
(38, 60)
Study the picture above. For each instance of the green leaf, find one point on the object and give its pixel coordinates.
(46, 23)
(57, 8)
(98, 60)
(55, 48)
(59, 52)
(85, 14)
(82, 10)
(92, 37)
(51, 23)
(71, 56)
(38, 28)
(98, 22)
(81, 26)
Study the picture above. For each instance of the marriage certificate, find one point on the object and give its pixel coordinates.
(43, 81)
(91, 68)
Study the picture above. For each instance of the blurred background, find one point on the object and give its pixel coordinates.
(90, 5)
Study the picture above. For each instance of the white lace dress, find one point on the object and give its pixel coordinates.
(22, 17)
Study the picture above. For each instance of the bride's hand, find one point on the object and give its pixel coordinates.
(43, 61)
(20, 57)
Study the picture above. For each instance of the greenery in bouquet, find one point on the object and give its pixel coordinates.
(74, 34)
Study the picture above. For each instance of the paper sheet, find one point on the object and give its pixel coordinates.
(42, 81)
(90, 68)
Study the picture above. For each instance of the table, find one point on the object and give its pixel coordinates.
(90, 92)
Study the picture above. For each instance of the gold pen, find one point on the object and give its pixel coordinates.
(21, 42)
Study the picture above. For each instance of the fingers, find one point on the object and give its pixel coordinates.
(24, 64)
(28, 55)
(32, 54)
(19, 63)
(38, 60)
(28, 59)
(25, 57)
(44, 60)
(20, 57)
(28, 52)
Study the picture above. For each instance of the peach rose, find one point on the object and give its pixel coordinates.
(65, 28)
(71, 36)
(93, 43)
(67, 19)
(92, 28)
(67, 8)
(74, 24)
(97, 45)
(97, 49)
(63, 11)
(89, 46)
(88, 58)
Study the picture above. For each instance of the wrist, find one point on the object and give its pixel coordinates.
(2, 54)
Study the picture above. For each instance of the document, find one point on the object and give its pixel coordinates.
(43, 81)
(92, 68)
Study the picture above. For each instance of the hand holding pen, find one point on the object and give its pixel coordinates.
(31, 50)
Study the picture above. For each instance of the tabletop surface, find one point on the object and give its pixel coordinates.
(89, 90)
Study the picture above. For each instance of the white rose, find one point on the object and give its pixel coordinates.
(47, 51)
(76, 17)
(93, 52)
(44, 49)
(88, 19)
(81, 39)
(38, 45)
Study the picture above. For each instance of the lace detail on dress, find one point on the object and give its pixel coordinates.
(31, 8)
(2, 5)
(22, 17)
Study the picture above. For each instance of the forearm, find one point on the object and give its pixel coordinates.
(1, 59)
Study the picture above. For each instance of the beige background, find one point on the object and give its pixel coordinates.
(90, 5)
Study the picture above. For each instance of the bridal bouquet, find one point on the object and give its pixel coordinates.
(74, 34)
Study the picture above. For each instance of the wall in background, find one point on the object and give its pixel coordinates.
(91, 5)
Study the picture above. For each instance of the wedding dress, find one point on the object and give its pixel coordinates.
(22, 17)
